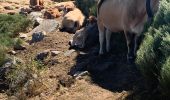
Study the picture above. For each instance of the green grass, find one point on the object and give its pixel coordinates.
(10, 26)
(88, 7)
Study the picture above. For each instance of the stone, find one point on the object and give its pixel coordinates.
(67, 81)
(69, 52)
(54, 52)
(38, 36)
(47, 25)
(25, 11)
(11, 13)
(8, 8)
(34, 15)
(52, 13)
(80, 74)
(19, 47)
(12, 52)
(42, 55)
(23, 36)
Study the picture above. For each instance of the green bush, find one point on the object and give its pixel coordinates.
(88, 7)
(165, 77)
(10, 26)
(154, 53)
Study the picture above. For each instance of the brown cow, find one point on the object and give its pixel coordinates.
(124, 15)
(36, 2)
(72, 21)
(37, 5)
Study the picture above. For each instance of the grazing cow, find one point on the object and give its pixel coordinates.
(86, 36)
(128, 16)
(72, 21)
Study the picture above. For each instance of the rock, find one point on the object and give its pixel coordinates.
(52, 13)
(19, 47)
(47, 25)
(8, 8)
(25, 11)
(12, 52)
(66, 81)
(23, 36)
(69, 52)
(38, 36)
(42, 55)
(34, 15)
(37, 8)
(11, 13)
(79, 74)
(54, 52)
(38, 21)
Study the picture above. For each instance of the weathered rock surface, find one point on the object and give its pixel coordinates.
(47, 25)
(38, 36)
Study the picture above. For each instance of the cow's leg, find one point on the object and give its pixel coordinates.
(101, 37)
(108, 36)
(38, 2)
(130, 39)
(137, 43)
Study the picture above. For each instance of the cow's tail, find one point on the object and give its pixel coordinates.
(100, 2)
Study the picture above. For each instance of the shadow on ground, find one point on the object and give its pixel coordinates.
(111, 71)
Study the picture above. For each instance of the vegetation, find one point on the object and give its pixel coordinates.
(154, 53)
(88, 7)
(10, 26)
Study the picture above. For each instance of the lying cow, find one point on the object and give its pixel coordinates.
(72, 21)
(86, 36)
(128, 16)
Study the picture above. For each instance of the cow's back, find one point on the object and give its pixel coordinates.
(118, 15)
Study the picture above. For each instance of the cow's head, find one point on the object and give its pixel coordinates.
(70, 26)
(80, 37)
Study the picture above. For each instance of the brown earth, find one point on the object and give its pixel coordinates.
(109, 78)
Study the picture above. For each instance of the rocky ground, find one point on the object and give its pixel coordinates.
(104, 78)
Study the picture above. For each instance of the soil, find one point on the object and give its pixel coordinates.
(110, 76)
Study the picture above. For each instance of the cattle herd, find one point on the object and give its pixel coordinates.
(128, 16)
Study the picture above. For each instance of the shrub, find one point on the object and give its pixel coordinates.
(165, 77)
(10, 25)
(19, 75)
(2, 55)
(88, 7)
(153, 55)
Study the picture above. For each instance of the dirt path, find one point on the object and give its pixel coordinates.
(109, 78)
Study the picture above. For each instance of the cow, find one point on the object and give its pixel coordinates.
(37, 5)
(72, 21)
(36, 2)
(128, 16)
(86, 36)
